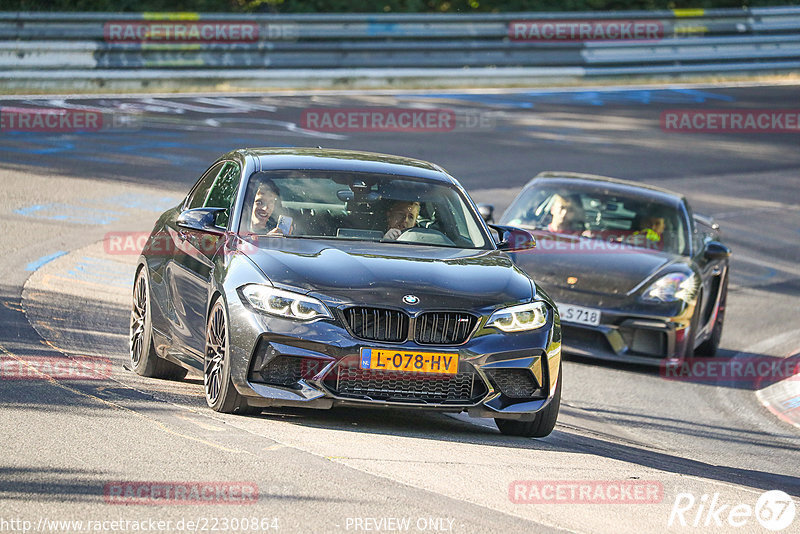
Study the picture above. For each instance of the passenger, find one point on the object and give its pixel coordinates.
(400, 216)
(567, 215)
(652, 227)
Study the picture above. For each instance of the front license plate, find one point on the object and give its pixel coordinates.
(579, 314)
(409, 361)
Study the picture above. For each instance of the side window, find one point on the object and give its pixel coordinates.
(197, 197)
(223, 192)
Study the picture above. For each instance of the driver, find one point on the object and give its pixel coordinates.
(566, 215)
(400, 216)
(263, 218)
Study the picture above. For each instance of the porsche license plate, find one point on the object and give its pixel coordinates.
(409, 361)
(579, 314)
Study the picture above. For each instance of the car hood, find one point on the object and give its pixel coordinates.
(599, 273)
(366, 273)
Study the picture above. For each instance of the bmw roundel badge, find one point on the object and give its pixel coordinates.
(410, 299)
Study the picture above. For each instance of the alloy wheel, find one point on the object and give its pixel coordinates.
(138, 317)
(216, 352)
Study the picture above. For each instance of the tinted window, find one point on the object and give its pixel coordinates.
(197, 197)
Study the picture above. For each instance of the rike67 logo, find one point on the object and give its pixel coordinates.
(774, 510)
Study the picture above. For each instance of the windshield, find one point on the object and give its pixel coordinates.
(359, 206)
(593, 212)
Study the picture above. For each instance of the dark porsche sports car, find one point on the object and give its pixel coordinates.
(637, 277)
(318, 278)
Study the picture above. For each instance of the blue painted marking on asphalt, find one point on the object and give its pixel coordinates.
(702, 96)
(528, 99)
(100, 271)
(82, 214)
(155, 203)
(90, 145)
(61, 156)
(90, 264)
(34, 265)
(69, 213)
(494, 100)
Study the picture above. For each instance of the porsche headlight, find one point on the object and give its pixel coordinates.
(285, 304)
(520, 318)
(671, 288)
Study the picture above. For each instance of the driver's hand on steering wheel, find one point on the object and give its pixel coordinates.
(393, 233)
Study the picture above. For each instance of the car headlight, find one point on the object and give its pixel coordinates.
(671, 288)
(519, 318)
(285, 304)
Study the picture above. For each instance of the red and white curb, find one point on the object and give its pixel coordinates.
(783, 398)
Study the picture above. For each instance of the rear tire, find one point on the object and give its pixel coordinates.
(144, 359)
(539, 427)
(709, 347)
(221, 394)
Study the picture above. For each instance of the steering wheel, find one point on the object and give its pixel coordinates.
(425, 235)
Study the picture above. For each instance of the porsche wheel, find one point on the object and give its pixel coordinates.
(709, 347)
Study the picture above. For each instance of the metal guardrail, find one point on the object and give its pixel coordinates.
(84, 45)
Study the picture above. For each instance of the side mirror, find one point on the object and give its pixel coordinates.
(487, 212)
(716, 251)
(514, 239)
(201, 220)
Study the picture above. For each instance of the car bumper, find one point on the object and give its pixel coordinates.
(278, 362)
(622, 336)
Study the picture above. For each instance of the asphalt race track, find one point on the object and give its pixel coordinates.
(65, 296)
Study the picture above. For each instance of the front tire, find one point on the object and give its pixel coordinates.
(144, 359)
(221, 394)
(542, 425)
(694, 324)
(709, 347)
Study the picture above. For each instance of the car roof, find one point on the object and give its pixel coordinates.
(614, 184)
(345, 160)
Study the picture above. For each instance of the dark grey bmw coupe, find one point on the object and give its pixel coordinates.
(319, 278)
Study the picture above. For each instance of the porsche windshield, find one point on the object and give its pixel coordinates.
(359, 206)
(597, 213)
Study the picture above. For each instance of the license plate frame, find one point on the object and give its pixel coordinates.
(410, 361)
(579, 314)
